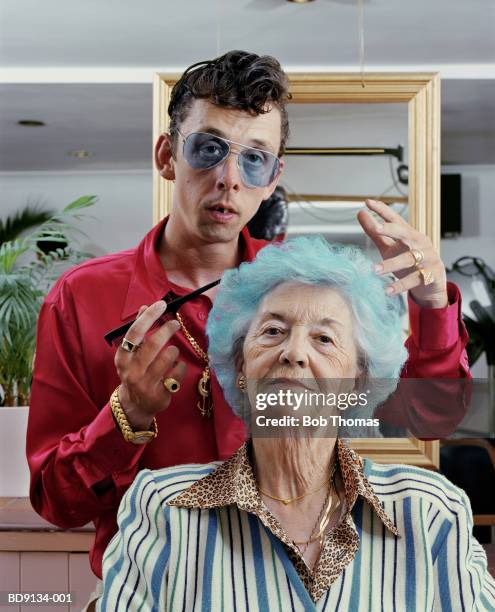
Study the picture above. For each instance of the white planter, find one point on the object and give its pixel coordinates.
(14, 471)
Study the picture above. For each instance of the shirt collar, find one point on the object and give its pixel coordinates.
(233, 482)
(149, 281)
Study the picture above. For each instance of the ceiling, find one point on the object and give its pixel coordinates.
(125, 33)
(113, 121)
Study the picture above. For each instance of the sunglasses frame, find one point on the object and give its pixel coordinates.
(238, 154)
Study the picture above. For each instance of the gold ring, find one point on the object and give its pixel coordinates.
(427, 275)
(129, 346)
(171, 385)
(418, 257)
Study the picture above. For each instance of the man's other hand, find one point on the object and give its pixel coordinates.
(395, 238)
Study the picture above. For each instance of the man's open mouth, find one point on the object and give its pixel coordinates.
(220, 208)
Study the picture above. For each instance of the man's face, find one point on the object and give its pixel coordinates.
(200, 195)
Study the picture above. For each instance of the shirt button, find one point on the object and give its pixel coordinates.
(202, 316)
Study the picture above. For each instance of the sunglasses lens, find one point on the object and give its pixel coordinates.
(203, 151)
(258, 168)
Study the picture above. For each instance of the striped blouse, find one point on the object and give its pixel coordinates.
(194, 538)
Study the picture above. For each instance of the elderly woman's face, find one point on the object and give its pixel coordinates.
(301, 331)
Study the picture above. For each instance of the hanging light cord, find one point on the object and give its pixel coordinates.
(360, 6)
(219, 27)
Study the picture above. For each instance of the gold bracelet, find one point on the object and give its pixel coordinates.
(136, 437)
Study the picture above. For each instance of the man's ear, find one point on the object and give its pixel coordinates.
(164, 158)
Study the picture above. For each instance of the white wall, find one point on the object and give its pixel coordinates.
(121, 217)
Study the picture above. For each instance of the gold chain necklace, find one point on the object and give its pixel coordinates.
(204, 405)
(323, 519)
(289, 500)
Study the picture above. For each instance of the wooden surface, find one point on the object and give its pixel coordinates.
(17, 513)
(22, 529)
(53, 541)
(484, 520)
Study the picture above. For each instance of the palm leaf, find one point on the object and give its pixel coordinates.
(27, 218)
(80, 203)
(9, 253)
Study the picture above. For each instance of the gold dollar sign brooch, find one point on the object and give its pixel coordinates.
(205, 404)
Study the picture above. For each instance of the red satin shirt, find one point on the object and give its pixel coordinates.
(80, 463)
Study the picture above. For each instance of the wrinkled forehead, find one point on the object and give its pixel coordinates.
(299, 303)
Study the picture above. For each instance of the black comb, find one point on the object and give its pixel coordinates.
(117, 334)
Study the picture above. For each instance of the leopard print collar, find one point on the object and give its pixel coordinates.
(233, 482)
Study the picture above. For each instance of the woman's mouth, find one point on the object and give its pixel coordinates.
(289, 382)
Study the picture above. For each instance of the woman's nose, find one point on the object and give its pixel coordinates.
(295, 352)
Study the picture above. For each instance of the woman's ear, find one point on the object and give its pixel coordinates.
(238, 355)
(164, 157)
(240, 365)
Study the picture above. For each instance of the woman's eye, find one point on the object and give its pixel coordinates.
(272, 331)
(325, 339)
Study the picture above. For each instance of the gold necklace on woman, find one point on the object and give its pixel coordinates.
(321, 523)
(204, 405)
(289, 500)
(324, 516)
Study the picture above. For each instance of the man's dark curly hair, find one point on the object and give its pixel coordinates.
(238, 79)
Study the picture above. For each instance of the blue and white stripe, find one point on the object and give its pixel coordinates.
(224, 559)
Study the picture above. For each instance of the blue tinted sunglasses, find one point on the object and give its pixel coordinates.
(203, 151)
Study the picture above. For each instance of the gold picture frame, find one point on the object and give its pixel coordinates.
(422, 94)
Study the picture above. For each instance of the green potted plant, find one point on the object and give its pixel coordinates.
(27, 271)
